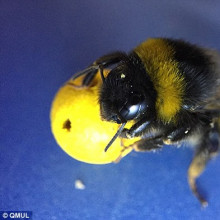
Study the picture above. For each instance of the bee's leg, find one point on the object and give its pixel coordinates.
(177, 134)
(146, 145)
(101, 63)
(143, 145)
(137, 129)
(208, 148)
(186, 128)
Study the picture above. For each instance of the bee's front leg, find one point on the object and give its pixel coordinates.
(151, 135)
(137, 129)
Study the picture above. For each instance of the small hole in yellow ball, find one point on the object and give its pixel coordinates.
(67, 125)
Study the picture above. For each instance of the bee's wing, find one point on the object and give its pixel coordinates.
(212, 103)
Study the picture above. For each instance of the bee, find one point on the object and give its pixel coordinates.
(170, 90)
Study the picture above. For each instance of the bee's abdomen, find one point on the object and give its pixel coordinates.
(196, 66)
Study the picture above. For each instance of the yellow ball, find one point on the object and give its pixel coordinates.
(77, 126)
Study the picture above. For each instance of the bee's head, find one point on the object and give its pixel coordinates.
(126, 95)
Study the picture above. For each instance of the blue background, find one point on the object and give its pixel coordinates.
(42, 43)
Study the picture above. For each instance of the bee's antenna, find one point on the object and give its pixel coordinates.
(85, 71)
(101, 72)
(115, 136)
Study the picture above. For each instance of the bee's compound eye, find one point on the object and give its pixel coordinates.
(130, 112)
(134, 100)
(133, 107)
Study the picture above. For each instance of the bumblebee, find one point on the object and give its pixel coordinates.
(170, 90)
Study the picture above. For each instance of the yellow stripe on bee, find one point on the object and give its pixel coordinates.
(157, 57)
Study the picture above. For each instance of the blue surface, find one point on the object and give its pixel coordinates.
(42, 43)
